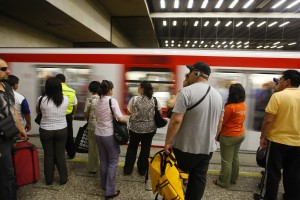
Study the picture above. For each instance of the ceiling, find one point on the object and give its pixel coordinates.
(266, 32)
(142, 22)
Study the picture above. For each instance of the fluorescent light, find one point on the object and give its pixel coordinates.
(202, 42)
(217, 23)
(176, 4)
(272, 47)
(239, 46)
(193, 45)
(187, 41)
(164, 23)
(266, 46)
(238, 24)
(225, 46)
(172, 45)
(233, 3)
(259, 47)
(217, 42)
(231, 42)
(179, 45)
(232, 46)
(272, 24)
(200, 45)
(278, 4)
(219, 4)
(250, 23)
(204, 4)
(206, 23)
(166, 41)
(285, 23)
(276, 43)
(174, 23)
(239, 42)
(224, 42)
(162, 4)
(248, 4)
(279, 47)
(195, 42)
(190, 4)
(293, 4)
(205, 45)
(246, 43)
(196, 23)
(246, 46)
(263, 4)
(219, 46)
(172, 41)
(212, 46)
(293, 43)
(228, 23)
(262, 23)
(167, 45)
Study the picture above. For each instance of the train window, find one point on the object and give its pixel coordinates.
(77, 77)
(160, 78)
(262, 89)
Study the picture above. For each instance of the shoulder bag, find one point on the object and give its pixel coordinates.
(81, 140)
(39, 114)
(159, 120)
(120, 129)
(8, 128)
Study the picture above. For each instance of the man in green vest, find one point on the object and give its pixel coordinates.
(72, 107)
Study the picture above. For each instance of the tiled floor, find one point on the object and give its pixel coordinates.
(82, 185)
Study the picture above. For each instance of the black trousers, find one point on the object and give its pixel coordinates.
(70, 145)
(142, 163)
(7, 175)
(284, 157)
(196, 165)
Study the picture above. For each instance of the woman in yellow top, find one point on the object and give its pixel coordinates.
(232, 135)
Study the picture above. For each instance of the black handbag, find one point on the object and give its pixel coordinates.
(39, 115)
(159, 120)
(8, 128)
(81, 140)
(169, 113)
(121, 134)
(261, 156)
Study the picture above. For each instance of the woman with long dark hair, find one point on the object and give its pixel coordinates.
(108, 148)
(141, 128)
(232, 135)
(53, 130)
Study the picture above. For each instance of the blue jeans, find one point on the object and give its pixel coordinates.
(7, 175)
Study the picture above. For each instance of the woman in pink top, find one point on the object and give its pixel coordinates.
(109, 149)
(232, 135)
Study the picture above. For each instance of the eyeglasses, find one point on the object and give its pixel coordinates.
(4, 69)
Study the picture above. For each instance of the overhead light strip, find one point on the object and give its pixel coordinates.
(293, 4)
(272, 24)
(263, 4)
(285, 23)
(240, 23)
(233, 4)
(228, 23)
(250, 24)
(190, 4)
(262, 23)
(248, 4)
(162, 4)
(278, 4)
(206, 23)
(218, 5)
(204, 4)
(217, 23)
(176, 4)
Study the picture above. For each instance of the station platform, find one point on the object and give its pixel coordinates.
(82, 185)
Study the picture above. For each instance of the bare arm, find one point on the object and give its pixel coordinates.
(219, 128)
(267, 123)
(28, 122)
(122, 119)
(23, 133)
(171, 102)
(173, 128)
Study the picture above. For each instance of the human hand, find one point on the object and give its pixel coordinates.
(28, 127)
(168, 148)
(263, 142)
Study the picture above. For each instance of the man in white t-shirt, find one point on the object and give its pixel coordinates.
(22, 105)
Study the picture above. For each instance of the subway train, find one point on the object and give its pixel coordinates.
(164, 68)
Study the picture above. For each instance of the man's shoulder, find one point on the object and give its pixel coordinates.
(67, 88)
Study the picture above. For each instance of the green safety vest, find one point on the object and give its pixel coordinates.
(71, 94)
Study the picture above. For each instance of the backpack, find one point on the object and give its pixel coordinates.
(166, 178)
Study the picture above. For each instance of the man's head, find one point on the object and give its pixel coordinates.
(200, 71)
(13, 81)
(61, 77)
(4, 70)
(289, 79)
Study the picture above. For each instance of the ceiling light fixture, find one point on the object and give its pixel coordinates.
(219, 46)
(217, 23)
(167, 45)
(259, 47)
(219, 4)
(193, 45)
(262, 23)
(212, 46)
(232, 5)
(293, 4)
(200, 45)
(231, 42)
(238, 24)
(187, 41)
(285, 23)
(250, 23)
(232, 46)
(174, 23)
(186, 45)
(190, 4)
(248, 4)
(266, 46)
(195, 42)
(172, 41)
(239, 42)
(245, 47)
(239, 46)
(276, 43)
(179, 45)
(272, 24)
(225, 46)
(224, 42)
(228, 23)
(206, 23)
(164, 23)
(204, 4)
(217, 42)
(279, 47)
(166, 41)
(246, 43)
(196, 23)
(176, 4)
(278, 4)
(273, 47)
(205, 45)
(293, 43)
(202, 42)
(162, 4)
(263, 4)
(172, 45)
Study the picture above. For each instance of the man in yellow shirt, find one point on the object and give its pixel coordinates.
(281, 135)
(72, 107)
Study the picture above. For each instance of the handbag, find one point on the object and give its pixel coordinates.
(261, 156)
(39, 115)
(169, 113)
(121, 134)
(8, 126)
(81, 140)
(159, 120)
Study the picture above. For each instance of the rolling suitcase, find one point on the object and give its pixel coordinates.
(25, 160)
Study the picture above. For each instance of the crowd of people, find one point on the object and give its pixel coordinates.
(200, 118)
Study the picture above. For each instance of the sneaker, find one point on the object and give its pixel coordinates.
(112, 196)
